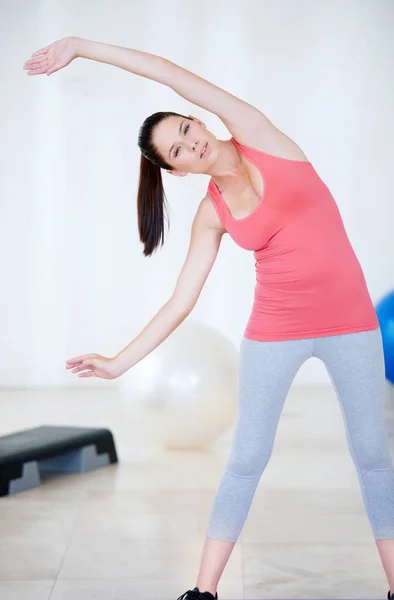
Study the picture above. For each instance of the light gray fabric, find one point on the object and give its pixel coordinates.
(355, 364)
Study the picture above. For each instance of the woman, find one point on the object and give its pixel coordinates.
(311, 297)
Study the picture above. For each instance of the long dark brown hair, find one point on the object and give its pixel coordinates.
(151, 199)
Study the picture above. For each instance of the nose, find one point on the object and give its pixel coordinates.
(192, 146)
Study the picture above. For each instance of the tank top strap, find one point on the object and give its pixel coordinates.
(217, 201)
(247, 150)
(260, 156)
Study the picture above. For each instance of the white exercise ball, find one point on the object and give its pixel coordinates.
(184, 393)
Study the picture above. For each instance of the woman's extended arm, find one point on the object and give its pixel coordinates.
(234, 112)
(190, 86)
(204, 245)
(206, 235)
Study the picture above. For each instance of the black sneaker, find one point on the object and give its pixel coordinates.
(389, 595)
(195, 594)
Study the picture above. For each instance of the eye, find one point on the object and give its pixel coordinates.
(184, 131)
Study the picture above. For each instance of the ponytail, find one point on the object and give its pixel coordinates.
(150, 196)
(150, 206)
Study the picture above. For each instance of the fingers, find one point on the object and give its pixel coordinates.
(80, 358)
(35, 62)
(84, 370)
(42, 50)
(83, 365)
(36, 67)
(38, 64)
(39, 71)
(81, 368)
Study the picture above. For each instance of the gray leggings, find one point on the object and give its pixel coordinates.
(355, 364)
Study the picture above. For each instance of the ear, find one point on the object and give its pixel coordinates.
(176, 173)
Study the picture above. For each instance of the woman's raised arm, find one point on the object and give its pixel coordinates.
(231, 110)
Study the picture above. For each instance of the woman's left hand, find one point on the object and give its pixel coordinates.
(53, 57)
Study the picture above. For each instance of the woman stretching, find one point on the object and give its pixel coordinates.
(310, 298)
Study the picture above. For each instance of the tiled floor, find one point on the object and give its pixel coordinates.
(135, 530)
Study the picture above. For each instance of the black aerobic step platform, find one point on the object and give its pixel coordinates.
(51, 448)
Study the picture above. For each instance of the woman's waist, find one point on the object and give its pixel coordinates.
(322, 287)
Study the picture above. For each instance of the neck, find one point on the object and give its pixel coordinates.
(228, 169)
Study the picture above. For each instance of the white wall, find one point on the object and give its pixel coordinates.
(74, 279)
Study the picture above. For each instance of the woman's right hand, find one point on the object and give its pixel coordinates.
(53, 57)
(95, 365)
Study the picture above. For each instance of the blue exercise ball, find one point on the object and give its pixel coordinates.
(385, 312)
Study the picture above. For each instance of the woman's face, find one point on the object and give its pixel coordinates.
(181, 141)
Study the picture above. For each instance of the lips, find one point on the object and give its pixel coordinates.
(204, 150)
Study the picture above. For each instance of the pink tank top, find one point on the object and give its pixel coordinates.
(309, 282)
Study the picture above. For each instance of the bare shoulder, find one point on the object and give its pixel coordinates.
(260, 133)
(207, 217)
